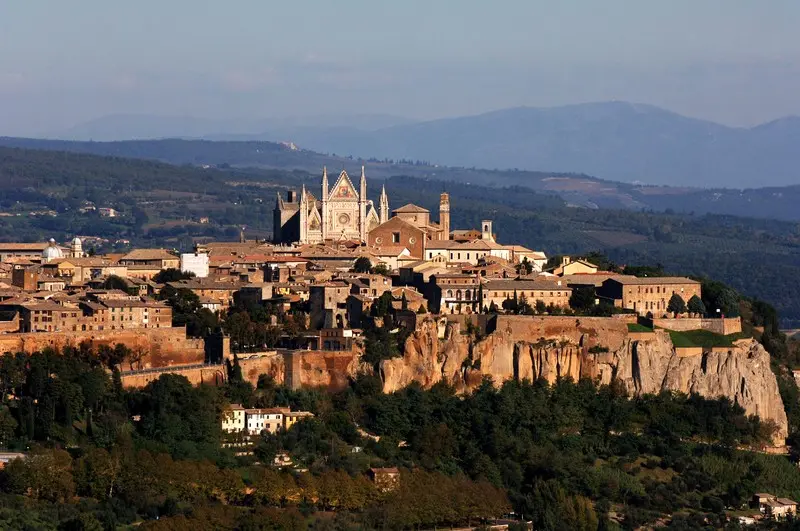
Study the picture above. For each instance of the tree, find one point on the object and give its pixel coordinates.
(115, 282)
(676, 304)
(381, 269)
(582, 298)
(696, 306)
(172, 275)
(44, 474)
(362, 265)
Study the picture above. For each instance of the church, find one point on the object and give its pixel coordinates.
(340, 213)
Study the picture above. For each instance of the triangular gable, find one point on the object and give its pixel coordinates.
(314, 219)
(343, 189)
(372, 219)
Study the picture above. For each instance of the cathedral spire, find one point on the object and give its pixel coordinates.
(384, 205)
(324, 183)
(362, 200)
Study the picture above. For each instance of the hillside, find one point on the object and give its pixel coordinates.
(163, 204)
(613, 140)
(577, 189)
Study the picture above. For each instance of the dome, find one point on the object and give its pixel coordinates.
(52, 251)
(76, 242)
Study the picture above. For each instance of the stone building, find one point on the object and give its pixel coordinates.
(498, 291)
(341, 213)
(397, 232)
(454, 293)
(648, 294)
(329, 305)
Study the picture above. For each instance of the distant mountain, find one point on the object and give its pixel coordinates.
(615, 140)
(612, 140)
(144, 126)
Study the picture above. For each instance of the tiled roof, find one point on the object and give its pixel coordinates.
(651, 281)
(149, 254)
(524, 284)
(410, 208)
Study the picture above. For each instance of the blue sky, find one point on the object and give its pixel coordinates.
(737, 62)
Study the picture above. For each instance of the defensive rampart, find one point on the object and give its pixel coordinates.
(152, 347)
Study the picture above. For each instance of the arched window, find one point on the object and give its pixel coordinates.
(450, 293)
(458, 295)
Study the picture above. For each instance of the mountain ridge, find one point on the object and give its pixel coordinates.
(614, 140)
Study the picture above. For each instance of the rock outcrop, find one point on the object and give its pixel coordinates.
(528, 348)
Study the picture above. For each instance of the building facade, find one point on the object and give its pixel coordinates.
(649, 294)
(341, 213)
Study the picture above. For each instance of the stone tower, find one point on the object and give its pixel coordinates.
(444, 216)
(486, 232)
(76, 248)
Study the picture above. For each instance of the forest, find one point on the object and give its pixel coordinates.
(574, 454)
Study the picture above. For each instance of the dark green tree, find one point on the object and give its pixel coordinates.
(676, 304)
(362, 265)
(696, 305)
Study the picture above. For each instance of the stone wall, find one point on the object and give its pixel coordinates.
(160, 347)
(303, 368)
(210, 374)
(726, 326)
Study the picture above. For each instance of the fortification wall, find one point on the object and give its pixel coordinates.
(726, 326)
(159, 347)
(302, 368)
(214, 375)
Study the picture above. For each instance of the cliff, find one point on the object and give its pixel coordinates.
(528, 348)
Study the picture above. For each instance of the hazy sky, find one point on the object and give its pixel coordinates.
(737, 62)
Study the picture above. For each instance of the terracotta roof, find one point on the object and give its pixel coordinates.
(410, 208)
(149, 254)
(38, 246)
(524, 284)
(648, 281)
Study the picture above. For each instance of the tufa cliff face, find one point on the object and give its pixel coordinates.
(528, 348)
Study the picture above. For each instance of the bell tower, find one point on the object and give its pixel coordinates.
(444, 216)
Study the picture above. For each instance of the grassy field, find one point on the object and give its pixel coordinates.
(699, 338)
(636, 327)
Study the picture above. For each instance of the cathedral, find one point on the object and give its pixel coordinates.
(340, 213)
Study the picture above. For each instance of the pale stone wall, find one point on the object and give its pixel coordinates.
(213, 375)
(726, 326)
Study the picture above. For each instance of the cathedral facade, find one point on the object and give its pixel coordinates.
(340, 213)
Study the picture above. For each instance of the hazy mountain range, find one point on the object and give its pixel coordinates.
(613, 140)
(578, 190)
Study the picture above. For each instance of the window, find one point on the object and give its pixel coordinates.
(395, 237)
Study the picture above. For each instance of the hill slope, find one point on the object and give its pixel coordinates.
(577, 189)
(619, 141)
(612, 140)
